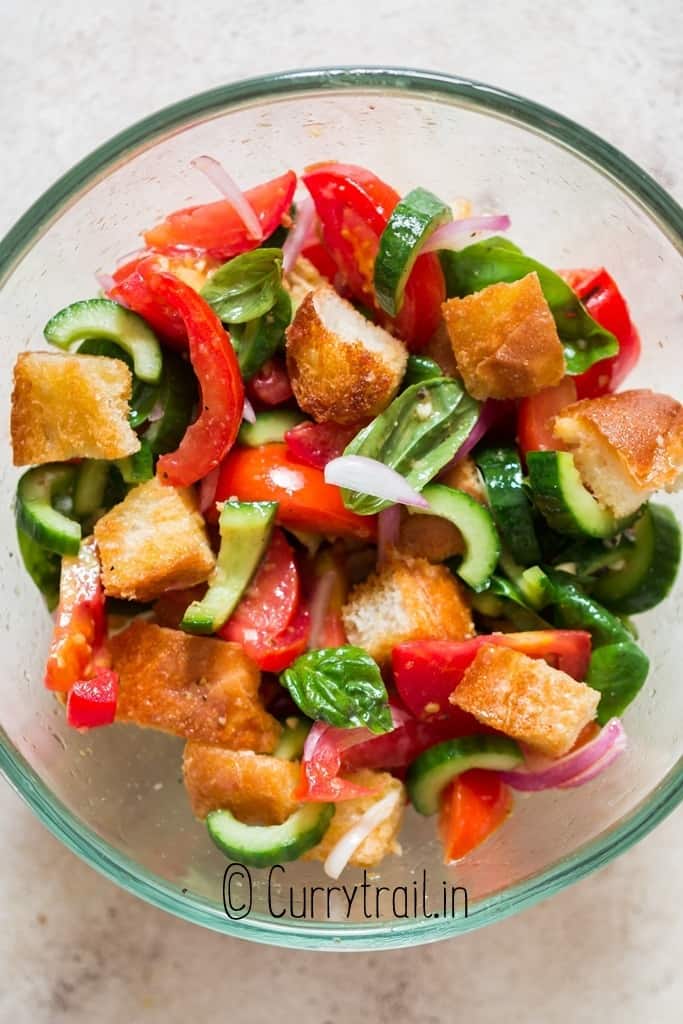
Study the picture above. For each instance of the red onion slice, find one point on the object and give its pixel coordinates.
(454, 234)
(298, 235)
(369, 476)
(248, 413)
(207, 490)
(341, 853)
(106, 282)
(227, 186)
(574, 768)
(388, 526)
(490, 413)
(320, 602)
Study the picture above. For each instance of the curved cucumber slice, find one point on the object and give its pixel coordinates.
(502, 473)
(574, 609)
(139, 466)
(563, 500)
(176, 396)
(143, 397)
(36, 493)
(430, 773)
(290, 746)
(91, 483)
(261, 845)
(245, 528)
(618, 672)
(648, 567)
(269, 427)
(102, 318)
(44, 568)
(413, 220)
(418, 370)
(482, 544)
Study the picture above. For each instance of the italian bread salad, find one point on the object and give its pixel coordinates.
(338, 486)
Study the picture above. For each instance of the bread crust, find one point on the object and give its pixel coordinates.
(257, 788)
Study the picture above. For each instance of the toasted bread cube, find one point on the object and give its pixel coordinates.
(504, 340)
(257, 788)
(197, 687)
(429, 537)
(409, 599)
(383, 839)
(527, 699)
(342, 368)
(153, 541)
(626, 446)
(464, 476)
(439, 349)
(68, 407)
(302, 279)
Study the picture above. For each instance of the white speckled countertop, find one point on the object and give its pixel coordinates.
(72, 946)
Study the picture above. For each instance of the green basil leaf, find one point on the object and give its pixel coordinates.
(618, 672)
(497, 259)
(246, 287)
(574, 609)
(420, 369)
(340, 685)
(417, 435)
(257, 341)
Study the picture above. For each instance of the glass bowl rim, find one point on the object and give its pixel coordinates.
(80, 838)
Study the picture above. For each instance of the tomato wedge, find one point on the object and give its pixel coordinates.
(132, 291)
(316, 444)
(322, 762)
(216, 228)
(272, 598)
(80, 623)
(600, 295)
(305, 501)
(474, 805)
(270, 386)
(536, 414)
(272, 652)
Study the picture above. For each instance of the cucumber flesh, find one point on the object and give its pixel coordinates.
(245, 528)
(618, 672)
(262, 845)
(562, 499)
(138, 467)
(102, 318)
(91, 483)
(290, 746)
(269, 427)
(502, 473)
(37, 492)
(482, 544)
(431, 772)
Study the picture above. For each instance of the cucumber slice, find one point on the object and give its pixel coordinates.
(482, 544)
(290, 746)
(618, 672)
(139, 466)
(261, 845)
(418, 370)
(269, 427)
(648, 567)
(176, 397)
(533, 585)
(574, 609)
(102, 318)
(91, 483)
(143, 397)
(502, 473)
(430, 773)
(245, 528)
(44, 568)
(414, 219)
(563, 500)
(37, 491)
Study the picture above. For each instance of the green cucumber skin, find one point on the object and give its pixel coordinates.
(502, 473)
(144, 395)
(138, 467)
(91, 483)
(557, 489)
(245, 529)
(44, 568)
(259, 846)
(102, 318)
(35, 514)
(431, 771)
(482, 544)
(574, 609)
(418, 370)
(290, 746)
(269, 427)
(651, 565)
(618, 672)
(176, 395)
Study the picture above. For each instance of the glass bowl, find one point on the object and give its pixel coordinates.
(114, 796)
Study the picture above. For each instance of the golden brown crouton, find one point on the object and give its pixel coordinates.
(504, 340)
(197, 687)
(170, 609)
(343, 368)
(429, 537)
(526, 698)
(302, 279)
(409, 599)
(257, 788)
(626, 445)
(383, 838)
(154, 540)
(439, 349)
(464, 476)
(67, 407)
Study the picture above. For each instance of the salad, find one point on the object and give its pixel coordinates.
(338, 486)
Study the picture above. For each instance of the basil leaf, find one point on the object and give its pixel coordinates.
(340, 685)
(420, 369)
(257, 341)
(497, 259)
(574, 609)
(246, 287)
(417, 434)
(617, 671)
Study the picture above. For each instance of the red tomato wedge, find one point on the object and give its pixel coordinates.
(321, 765)
(80, 623)
(316, 444)
(305, 501)
(272, 652)
(132, 291)
(600, 295)
(217, 228)
(536, 414)
(272, 598)
(270, 386)
(474, 805)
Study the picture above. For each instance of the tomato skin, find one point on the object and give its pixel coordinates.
(270, 386)
(321, 764)
(92, 702)
(474, 805)
(272, 652)
(132, 291)
(601, 296)
(536, 413)
(272, 598)
(80, 623)
(216, 228)
(305, 501)
(316, 444)
(398, 748)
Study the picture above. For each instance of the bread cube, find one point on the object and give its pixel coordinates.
(343, 368)
(302, 279)
(526, 699)
(504, 340)
(626, 446)
(409, 599)
(153, 541)
(197, 687)
(257, 788)
(67, 407)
